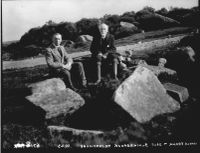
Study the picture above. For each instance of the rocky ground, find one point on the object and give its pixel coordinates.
(99, 121)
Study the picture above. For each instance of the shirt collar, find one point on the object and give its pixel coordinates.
(54, 46)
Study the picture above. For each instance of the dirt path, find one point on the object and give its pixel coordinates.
(135, 47)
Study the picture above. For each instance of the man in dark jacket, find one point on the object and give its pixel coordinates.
(62, 65)
(104, 50)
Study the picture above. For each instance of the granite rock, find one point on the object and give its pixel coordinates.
(143, 96)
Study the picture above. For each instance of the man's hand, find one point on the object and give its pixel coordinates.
(100, 54)
(123, 65)
(67, 66)
(104, 56)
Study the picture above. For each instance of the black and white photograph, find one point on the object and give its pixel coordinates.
(104, 74)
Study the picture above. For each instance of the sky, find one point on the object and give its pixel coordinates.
(19, 16)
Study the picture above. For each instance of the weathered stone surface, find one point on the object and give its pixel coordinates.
(127, 25)
(177, 92)
(52, 96)
(86, 38)
(61, 135)
(61, 129)
(143, 96)
(162, 73)
(46, 87)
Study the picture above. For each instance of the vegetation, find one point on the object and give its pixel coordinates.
(37, 39)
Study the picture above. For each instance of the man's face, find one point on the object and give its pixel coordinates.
(103, 30)
(57, 39)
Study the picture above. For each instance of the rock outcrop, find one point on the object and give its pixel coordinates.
(127, 25)
(86, 38)
(143, 96)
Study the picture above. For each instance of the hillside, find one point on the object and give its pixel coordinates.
(33, 42)
(121, 44)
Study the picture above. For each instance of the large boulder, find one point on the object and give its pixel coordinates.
(127, 25)
(143, 96)
(85, 38)
(53, 96)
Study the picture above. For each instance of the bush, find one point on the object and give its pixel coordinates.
(128, 19)
(27, 51)
(42, 36)
(30, 51)
(162, 11)
(6, 56)
(80, 44)
(188, 17)
(153, 21)
(68, 30)
(124, 32)
(87, 26)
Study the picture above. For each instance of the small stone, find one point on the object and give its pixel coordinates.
(162, 62)
(177, 92)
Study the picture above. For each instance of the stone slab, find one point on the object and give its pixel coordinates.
(53, 97)
(177, 92)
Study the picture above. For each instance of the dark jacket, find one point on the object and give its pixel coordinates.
(102, 46)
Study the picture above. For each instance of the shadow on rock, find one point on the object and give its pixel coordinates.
(98, 116)
(187, 127)
(26, 113)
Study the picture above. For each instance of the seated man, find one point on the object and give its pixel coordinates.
(61, 64)
(103, 50)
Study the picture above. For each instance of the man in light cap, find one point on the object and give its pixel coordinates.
(62, 65)
(104, 51)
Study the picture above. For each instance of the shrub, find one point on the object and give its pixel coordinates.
(30, 51)
(153, 21)
(128, 19)
(86, 26)
(80, 44)
(6, 56)
(124, 32)
(41, 36)
(162, 11)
